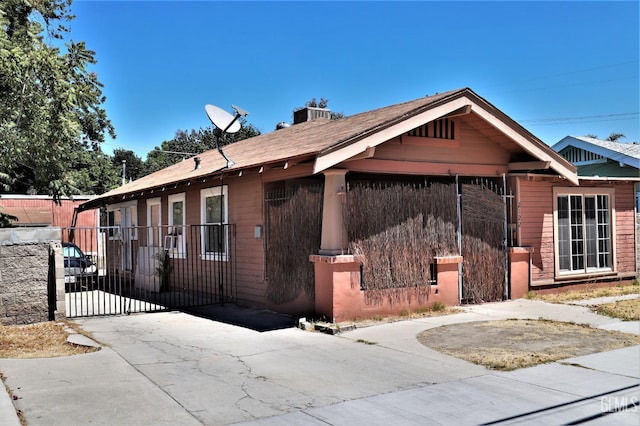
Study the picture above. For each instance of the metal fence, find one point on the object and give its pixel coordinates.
(120, 270)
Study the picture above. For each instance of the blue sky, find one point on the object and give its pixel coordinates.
(558, 68)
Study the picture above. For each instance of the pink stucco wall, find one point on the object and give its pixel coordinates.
(339, 297)
(519, 271)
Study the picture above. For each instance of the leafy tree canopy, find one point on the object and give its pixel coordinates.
(50, 101)
(187, 144)
(92, 172)
(134, 167)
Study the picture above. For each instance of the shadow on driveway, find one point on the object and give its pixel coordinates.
(255, 319)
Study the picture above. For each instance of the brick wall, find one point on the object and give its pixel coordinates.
(24, 268)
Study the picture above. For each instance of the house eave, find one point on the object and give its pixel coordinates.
(102, 201)
(465, 101)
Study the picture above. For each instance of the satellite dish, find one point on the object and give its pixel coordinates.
(222, 119)
(225, 123)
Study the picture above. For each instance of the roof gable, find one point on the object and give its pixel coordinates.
(448, 105)
(627, 154)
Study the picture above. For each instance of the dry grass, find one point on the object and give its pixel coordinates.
(42, 340)
(437, 310)
(513, 344)
(627, 310)
(589, 293)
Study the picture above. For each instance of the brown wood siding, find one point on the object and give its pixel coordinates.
(245, 212)
(536, 226)
(246, 202)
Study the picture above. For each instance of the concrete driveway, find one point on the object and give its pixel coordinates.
(176, 368)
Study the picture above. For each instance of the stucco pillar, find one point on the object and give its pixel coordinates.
(333, 234)
(520, 271)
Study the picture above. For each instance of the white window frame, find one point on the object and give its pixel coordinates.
(122, 208)
(151, 202)
(582, 192)
(173, 243)
(215, 191)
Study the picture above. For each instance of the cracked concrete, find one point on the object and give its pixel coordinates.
(175, 368)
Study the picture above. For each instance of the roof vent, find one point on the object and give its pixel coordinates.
(197, 161)
(282, 125)
(310, 113)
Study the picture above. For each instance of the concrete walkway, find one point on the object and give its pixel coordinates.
(180, 369)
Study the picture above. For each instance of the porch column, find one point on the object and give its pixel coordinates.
(333, 234)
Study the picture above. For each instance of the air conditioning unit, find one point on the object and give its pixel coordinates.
(310, 113)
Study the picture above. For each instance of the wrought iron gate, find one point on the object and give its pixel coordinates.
(120, 270)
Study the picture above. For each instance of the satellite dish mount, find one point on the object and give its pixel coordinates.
(225, 123)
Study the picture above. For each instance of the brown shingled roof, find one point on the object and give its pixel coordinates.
(304, 139)
(298, 141)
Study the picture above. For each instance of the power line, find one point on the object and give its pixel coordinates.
(561, 74)
(562, 122)
(584, 117)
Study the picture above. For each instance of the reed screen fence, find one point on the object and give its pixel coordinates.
(396, 230)
(293, 232)
(483, 242)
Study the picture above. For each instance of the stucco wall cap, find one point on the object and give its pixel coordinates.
(442, 260)
(345, 258)
(521, 250)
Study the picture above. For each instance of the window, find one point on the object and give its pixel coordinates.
(175, 241)
(154, 220)
(114, 223)
(214, 216)
(584, 234)
(122, 219)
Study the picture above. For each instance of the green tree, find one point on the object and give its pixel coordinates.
(187, 144)
(134, 166)
(50, 101)
(92, 172)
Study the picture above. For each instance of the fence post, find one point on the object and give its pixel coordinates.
(55, 284)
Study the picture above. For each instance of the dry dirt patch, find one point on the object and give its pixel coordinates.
(513, 344)
(42, 340)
